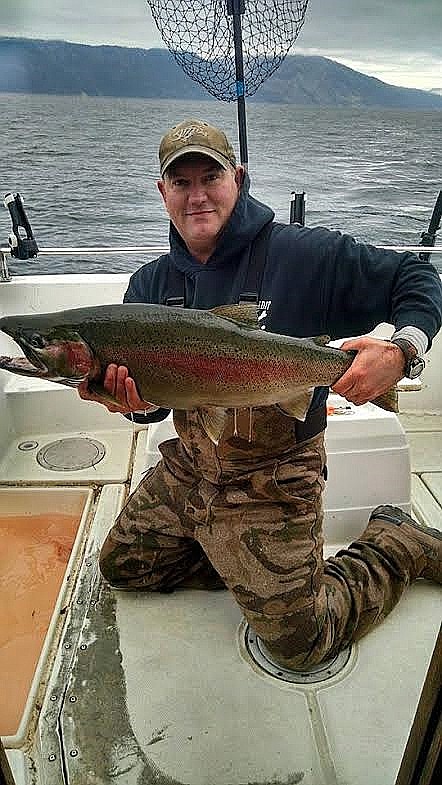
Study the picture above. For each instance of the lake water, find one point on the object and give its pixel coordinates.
(87, 170)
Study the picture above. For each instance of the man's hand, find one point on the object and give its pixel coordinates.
(122, 387)
(377, 367)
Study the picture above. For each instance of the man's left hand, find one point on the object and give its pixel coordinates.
(377, 367)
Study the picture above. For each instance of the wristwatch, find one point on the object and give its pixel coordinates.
(414, 363)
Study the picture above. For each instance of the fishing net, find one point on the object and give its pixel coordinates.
(200, 36)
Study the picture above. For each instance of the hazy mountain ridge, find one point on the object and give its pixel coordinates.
(59, 67)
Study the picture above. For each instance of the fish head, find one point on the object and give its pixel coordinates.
(55, 352)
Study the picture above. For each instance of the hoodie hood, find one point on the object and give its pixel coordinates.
(247, 219)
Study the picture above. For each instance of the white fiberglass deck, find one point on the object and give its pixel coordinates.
(160, 688)
(204, 713)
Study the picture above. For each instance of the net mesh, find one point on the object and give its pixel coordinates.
(199, 35)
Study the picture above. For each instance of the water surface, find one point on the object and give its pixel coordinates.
(87, 167)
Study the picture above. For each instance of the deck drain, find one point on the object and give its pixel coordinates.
(70, 455)
(30, 445)
(319, 673)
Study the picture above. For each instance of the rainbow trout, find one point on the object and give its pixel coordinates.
(180, 358)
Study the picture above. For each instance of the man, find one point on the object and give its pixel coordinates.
(247, 513)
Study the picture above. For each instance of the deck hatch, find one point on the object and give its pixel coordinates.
(41, 531)
(313, 675)
(71, 454)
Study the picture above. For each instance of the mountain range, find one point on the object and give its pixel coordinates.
(59, 67)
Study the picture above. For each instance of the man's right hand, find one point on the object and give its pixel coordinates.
(122, 387)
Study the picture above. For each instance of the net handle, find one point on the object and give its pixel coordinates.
(236, 8)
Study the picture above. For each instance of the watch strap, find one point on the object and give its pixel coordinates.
(411, 357)
(408, 348)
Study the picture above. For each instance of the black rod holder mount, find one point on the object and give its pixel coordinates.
(23, 246)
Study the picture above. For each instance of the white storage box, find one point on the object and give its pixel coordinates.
(368, 464)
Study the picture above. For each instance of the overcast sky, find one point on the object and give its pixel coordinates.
(399, 41)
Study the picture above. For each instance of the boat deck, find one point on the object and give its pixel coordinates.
(167, 689)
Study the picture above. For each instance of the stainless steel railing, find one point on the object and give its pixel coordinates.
(88, 250)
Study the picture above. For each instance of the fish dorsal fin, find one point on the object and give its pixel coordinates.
(320, 340)
(213, 420)
(245, 313)
(299, 404)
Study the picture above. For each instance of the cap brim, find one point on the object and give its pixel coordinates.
(195, 148)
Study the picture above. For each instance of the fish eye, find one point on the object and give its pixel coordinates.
(37, 341)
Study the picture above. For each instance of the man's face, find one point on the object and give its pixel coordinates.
(199, 196)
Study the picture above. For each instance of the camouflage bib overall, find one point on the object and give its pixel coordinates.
(248, 515)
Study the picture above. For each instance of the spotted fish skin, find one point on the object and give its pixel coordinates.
(179, 358)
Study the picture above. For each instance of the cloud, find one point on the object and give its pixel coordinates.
(390, 41)
(396, 26)
(397, 40)
(124, 22)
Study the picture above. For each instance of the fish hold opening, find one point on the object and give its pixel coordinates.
(38, 529)
(318, 673)
(71, 454)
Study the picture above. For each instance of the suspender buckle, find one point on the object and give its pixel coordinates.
(175, 302)
(248, 297)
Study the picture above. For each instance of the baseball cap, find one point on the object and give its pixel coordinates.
(195, 136)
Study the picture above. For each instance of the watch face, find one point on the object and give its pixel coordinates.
(417, 365)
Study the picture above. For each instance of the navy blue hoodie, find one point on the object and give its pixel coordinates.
(316, 281)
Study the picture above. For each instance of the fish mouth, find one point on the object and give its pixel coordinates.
(33, 356)
(39, 362)
(29, 365)
(23, 366)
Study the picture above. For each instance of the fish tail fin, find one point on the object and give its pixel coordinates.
(388, 400)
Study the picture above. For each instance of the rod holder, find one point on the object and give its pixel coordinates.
(297, 208)
(428, 238)
(22, 247)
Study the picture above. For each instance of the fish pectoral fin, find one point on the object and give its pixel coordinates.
(245, 314)
(213, 420)
(106, 397)
(299, 404)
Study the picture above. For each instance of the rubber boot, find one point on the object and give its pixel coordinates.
(427, 542)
